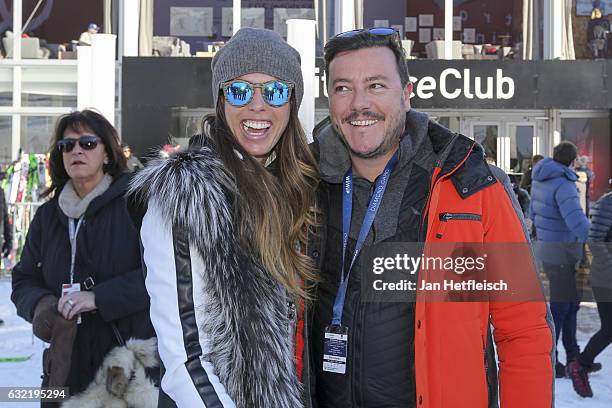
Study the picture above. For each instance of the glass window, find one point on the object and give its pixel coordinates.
(36, 133)
(592, 137)
(6, 86)
(186, 123)
(33, 99)
(486, 135)
(325, 23)
(496, 24)
(49, 86)
(6, 131)
(450, 122)
(206, 26)
(521, 147)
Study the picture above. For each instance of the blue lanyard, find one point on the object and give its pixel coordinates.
(347, 209)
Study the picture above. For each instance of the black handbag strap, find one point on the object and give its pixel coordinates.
(88, 284)
(118, 336)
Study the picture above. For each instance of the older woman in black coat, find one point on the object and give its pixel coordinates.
(80, 280)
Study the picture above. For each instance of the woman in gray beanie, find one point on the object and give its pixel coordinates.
(224, 231)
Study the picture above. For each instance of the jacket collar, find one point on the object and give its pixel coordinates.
(116, 189)
(74, 206)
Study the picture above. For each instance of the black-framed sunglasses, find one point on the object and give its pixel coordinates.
(239, 92)
(87, 142)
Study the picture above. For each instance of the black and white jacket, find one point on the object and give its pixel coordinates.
(224, 330)
(600, 242)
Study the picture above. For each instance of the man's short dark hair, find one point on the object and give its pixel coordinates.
(365, 39)
(565, 153)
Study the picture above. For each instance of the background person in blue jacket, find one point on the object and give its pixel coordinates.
(561, 228)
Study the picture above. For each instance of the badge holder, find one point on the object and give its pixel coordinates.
(335, 349)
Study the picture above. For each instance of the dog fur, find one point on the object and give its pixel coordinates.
(121, 381)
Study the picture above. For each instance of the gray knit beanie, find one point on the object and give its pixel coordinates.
(257, 50)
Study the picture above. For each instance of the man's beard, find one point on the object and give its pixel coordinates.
(390, 139)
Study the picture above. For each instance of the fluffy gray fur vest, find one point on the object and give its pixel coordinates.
(246, 321)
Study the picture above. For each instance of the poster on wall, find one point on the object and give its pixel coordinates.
(469, 35)
(281, 15)
(424, 35)
(426, 20)
(585, 7)
(253, 17)
(191, 21)
(438, 34)
(457, 23)
(410, 24)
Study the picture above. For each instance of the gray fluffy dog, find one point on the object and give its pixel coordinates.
(121, 381)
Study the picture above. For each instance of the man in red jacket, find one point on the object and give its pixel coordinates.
(390, 174)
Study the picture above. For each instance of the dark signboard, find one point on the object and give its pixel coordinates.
(440, 84)
(152, 87)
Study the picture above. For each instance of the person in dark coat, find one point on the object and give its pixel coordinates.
(133, 164)
(600, 242)
(562, 228)
(523, 198)
(526, 178)
(88, 209)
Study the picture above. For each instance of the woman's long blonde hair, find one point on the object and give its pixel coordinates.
(275, 208)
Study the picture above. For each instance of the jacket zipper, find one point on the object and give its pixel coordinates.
(356, 376)
(459, 217)
(361, 389)
(446, 217)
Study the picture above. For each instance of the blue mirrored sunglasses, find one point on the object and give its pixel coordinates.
(240, 92)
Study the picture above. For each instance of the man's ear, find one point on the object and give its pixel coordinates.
(407, 94)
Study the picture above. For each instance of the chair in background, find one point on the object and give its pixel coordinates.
(435, 49)
(407, 45)
(468, 52)
(30, 48)
(167, 46)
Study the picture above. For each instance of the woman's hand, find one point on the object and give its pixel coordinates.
(74, 303)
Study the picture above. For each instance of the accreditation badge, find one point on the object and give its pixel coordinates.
(335, 347)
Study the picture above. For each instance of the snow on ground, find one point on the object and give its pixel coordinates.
(16, 340)
(601, 382)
